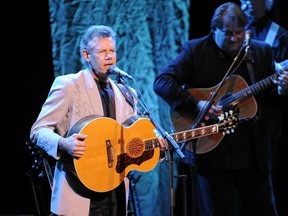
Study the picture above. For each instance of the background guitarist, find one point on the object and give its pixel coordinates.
(236, 179)
(89, 92)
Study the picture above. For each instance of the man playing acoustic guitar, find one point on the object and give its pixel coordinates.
(80, 126)
(235, 171)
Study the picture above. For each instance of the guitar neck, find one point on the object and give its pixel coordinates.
(185, 135)
(249, 91)
(195, 133)
(151, 144)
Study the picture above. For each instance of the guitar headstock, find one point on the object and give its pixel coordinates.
(228, 122)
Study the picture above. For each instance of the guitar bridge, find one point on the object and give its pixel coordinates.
(110, 156)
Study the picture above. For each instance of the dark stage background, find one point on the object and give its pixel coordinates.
(26, 76)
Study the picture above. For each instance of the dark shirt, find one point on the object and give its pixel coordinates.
(107, 97)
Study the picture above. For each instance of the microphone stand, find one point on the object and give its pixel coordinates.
(203, 112)
(163, 133)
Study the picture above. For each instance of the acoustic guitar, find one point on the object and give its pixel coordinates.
(114, 149)
(235, 93)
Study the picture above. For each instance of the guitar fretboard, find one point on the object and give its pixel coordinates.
(185, 135)
(249, 91)
(192, 134)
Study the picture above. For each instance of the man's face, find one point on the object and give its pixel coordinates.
(102, 55)
(230, 38)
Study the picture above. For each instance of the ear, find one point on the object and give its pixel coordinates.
(86, 55)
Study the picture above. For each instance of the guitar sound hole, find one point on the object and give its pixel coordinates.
(135, 148)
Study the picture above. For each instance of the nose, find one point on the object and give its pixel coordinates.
(108, 56)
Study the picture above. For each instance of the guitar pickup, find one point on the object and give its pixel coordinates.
(110, 155)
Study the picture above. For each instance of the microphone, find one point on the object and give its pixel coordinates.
(115, 70)
(248, 36)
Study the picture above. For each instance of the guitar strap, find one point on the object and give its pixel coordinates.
(126, 93)
(249, 61)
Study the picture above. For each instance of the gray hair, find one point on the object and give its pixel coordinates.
(95, 31)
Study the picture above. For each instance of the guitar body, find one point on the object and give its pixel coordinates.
(112, 151)
(184, 120)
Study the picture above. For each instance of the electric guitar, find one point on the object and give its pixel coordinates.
(114, 149)
(234, 93)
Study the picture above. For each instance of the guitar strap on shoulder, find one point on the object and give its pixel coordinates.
(249, 66)
(249, 60)
(250, 70)
(126, 93)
